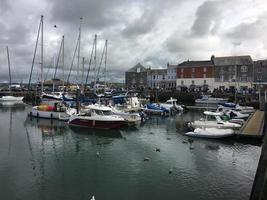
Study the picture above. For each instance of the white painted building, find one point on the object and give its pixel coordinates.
(171, 76)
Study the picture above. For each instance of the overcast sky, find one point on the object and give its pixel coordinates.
(152, 32)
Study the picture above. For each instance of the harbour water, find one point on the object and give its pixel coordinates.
(44, 159)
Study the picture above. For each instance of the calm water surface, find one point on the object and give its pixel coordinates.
(43, 159)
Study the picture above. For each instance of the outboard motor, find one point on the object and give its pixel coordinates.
(143, 116)
(189, 127)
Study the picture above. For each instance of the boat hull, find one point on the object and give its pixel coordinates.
(11, 98)
(49, 114)
(97, 124)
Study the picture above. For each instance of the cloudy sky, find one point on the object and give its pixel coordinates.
(152, 32)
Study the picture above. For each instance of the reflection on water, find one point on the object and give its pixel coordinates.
(45, 159)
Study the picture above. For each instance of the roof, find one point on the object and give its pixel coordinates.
(157, 71)
(136, 67)
(199, 63)
(232, 60)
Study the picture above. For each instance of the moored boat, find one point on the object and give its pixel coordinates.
(210, 133)
(171, 104)
(96, 116)
(57, 110)
(11, 98)
(214, 120)
(206, 99)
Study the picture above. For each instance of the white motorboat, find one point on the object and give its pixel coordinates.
(97, 116)
(131, 118)
(237, 107)
(210, 133)
(53, 96)
(207, 99)
(214, 120)
(56, 111)
(11, 98)
(233, 114)
(171, 104)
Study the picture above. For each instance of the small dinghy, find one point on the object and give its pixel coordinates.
(210, 133)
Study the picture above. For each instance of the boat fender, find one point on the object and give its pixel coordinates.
(51, 115)
(37, 115)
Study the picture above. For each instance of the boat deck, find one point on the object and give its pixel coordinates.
(254, 125)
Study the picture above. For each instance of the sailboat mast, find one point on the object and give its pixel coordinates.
(95, 64)
(90, 62)
(106, 56)
(42, 53)
(63, 39)
(8, 60)
(34, 54)
(79, 49)
(83, 69)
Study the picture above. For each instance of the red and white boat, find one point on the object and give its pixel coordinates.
(54, 110)
(97, 116)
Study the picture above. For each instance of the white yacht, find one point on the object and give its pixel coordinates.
(97, 116)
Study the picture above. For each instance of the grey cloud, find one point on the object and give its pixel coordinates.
(248, 31)
(96, 13)
(142, 25)
(207, 18)
(4, 6)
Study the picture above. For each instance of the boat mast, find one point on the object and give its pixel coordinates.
(95, 64)
(63, 39)
(83, 70)
(34, 54)
(42, 54)
(8, 60)
(105, 71)
(61, 45)
(90, 62)
(79, 49)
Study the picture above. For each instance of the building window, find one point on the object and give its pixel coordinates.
(182, 76)
(244, 78)
(154, 77)
(193, 76)
(204, 75)
(182, 70)
(138, 70)
(157, 76)
(205, 69)
(193, 69)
